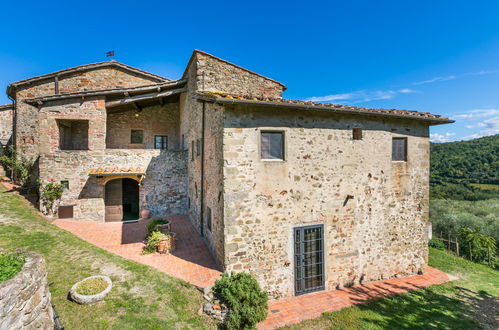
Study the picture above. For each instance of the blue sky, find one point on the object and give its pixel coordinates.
(432, 56)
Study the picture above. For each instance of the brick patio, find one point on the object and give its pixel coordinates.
(191, 260)
(297, 309)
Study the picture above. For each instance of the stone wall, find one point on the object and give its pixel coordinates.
(5, 125)
(155, 120)
(27, 134)
(216, 75)
(25, 299)
(163, 190)
(378, 232)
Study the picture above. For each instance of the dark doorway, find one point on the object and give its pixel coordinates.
(122, 200)
(309, 259)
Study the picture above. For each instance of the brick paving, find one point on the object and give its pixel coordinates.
(297, 309)
(191, 260)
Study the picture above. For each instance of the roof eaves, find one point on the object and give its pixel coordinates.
(105, 92)
(364, 112)
(6, 107)
(84, 67)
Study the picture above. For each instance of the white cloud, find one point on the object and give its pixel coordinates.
(477, 113)
(485, 120)
(451, 77)
(436, 79)
(435, 137)
(361, 96)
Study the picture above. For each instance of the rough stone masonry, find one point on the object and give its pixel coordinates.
(195, 146)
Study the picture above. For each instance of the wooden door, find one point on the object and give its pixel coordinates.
(114, 200)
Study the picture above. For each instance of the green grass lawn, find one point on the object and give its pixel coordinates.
(472, 302)
(141, 298)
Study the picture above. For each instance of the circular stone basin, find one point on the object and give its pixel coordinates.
(84, 299)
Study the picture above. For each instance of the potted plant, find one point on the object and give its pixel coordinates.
(167, 243)
(159, 224)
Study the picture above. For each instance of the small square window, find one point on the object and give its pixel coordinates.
(161, 142)
(272, 145)
(65, 185)
(137, 137)
(399, 149)
(208, 218)
(357, 133)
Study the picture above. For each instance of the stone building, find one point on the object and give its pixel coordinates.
(306, 196)
(5, 126)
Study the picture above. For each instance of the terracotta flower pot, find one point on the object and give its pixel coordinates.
(165, 228)
(145, 214)
(167, 245)
(163, 245)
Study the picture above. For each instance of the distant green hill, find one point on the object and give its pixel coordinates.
(457, 165)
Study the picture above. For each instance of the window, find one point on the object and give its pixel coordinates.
(183, 142)
(208, 218)
(198, 147)
(192, 150)
(73, 134)
(399, 149)
(161, 142)
(357, 133)
(65, 185)
(272, 145)
(189, 203)
(137, 137)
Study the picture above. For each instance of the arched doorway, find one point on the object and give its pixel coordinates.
(121, 199)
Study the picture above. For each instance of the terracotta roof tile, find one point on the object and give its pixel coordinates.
(277, 101)
(117, 171)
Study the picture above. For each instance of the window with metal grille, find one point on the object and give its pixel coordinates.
(399, 149)
(161, 142)
(208, 218)
(272, 145)
(137, 136)
(309, 259)
(357, 133)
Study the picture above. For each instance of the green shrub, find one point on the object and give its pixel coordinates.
(153, 241)
(49, 194)
(436, 243)
(245, 299)
(476, 245)
(10, 264)
(153, 223)
(20, 168)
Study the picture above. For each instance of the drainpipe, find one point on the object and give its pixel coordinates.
(14, 121)
(202, 167)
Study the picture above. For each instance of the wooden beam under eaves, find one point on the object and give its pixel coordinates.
(151, 96)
